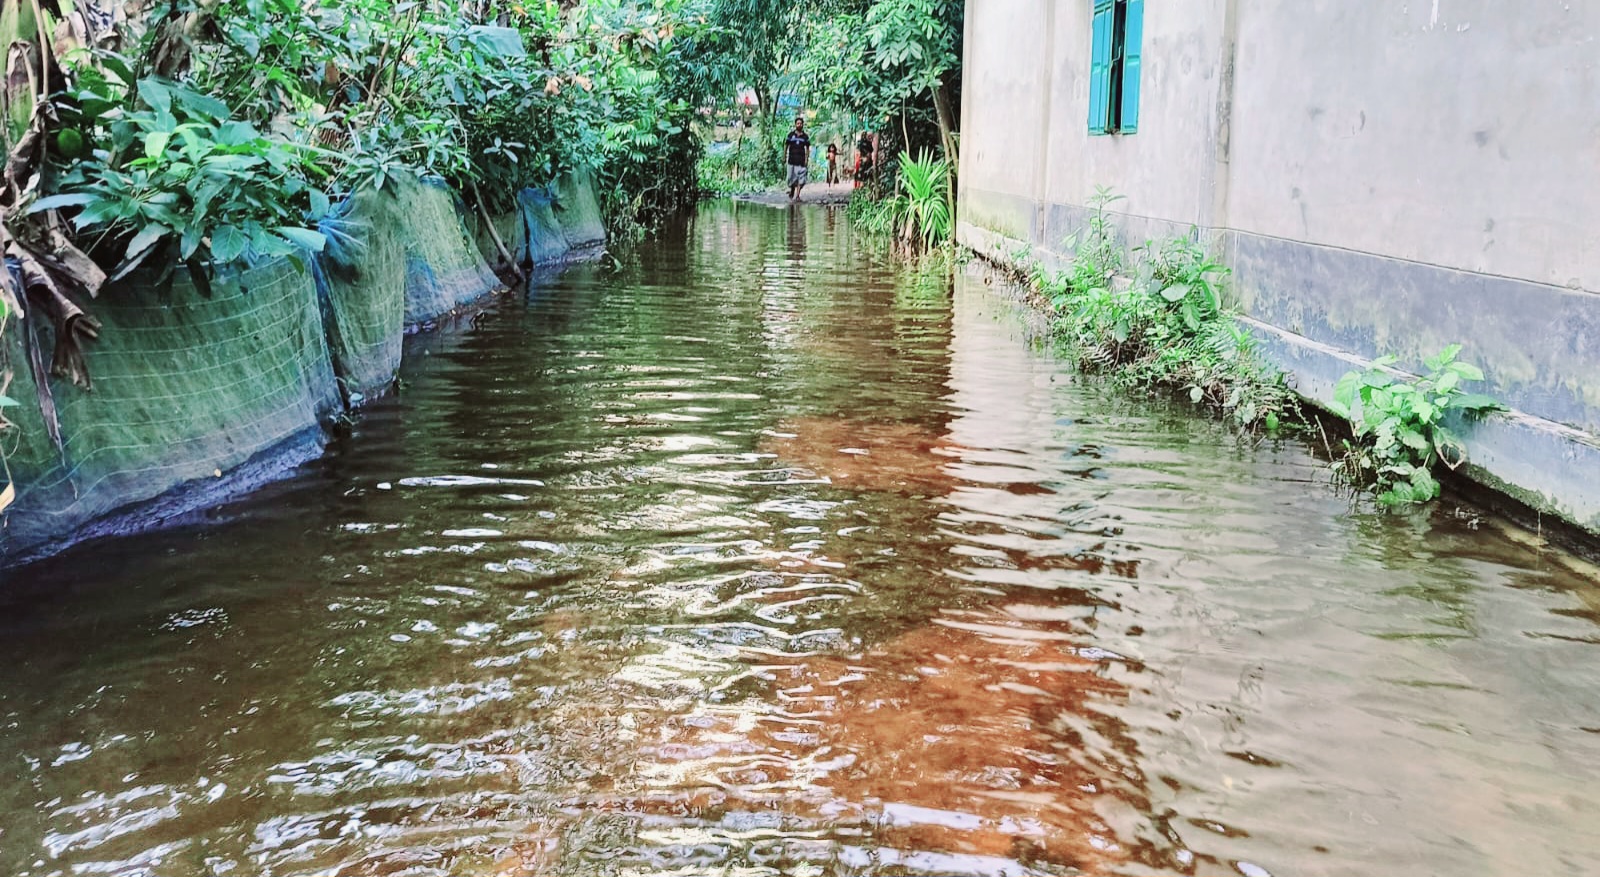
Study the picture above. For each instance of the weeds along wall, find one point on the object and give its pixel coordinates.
(1381, 178)
(199, 397)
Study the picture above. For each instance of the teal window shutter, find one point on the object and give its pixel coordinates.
(1132, 40)
(1100, 67)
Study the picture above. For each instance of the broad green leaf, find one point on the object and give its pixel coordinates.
(155, 144)
(97, 212)
(227, 244)
(1467, 371)
(1476, 402)
(8, 402)
(156, 94)
(1424, 483)
(233, 162)
(315, 241)
(56, 202)
(1344, 392)
(189, 242)
(145, 239)
(199, 104)
(1452, 451)
(237, 133)
(116, 65)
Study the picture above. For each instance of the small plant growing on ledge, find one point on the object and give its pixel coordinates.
(1166, 328)
(1400, 436)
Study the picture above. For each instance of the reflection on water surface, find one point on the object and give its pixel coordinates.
(761, 557)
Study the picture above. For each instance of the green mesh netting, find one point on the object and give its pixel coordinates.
(362, 277)
(444, 268)
(532, 233)
(547, 240)
(578, 210)
(185, 386)
(513, 233)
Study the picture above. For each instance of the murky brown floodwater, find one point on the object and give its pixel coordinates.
(760, 557)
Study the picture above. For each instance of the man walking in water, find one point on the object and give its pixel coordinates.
(797, 146)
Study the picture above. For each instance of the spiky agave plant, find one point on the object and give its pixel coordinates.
(926, 220)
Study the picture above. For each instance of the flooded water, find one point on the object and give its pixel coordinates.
(760, 556)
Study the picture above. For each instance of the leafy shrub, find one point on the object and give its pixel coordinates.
(1167, 328)
(180, 170)
(1400, 425)
(736, 169)
(874, 216)
(918, 214)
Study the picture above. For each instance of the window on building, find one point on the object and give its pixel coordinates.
(1114, 67)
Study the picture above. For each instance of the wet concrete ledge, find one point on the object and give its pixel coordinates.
(201, 396)
(1306, 305)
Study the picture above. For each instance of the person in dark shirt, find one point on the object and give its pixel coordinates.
(863, 158)
(797, 147)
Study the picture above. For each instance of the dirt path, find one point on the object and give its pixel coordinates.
(813, 193)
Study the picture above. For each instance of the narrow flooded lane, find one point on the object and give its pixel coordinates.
(760, 555)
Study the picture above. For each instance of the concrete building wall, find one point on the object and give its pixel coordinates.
(1459, 133)
(1383, 178)
(1166, 171)
(1006, 83)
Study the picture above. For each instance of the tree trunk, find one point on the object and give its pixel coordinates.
(941, 103)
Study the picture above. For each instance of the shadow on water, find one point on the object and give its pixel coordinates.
(759, 554)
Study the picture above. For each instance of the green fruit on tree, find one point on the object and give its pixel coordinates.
(69, 142)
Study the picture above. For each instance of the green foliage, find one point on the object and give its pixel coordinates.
(1166, 329)
(925, 217)
(1400, 428)
(737, 170)
(245, 120)
(918, 215)
(176, 169)
(875, 216)
(872, 58)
